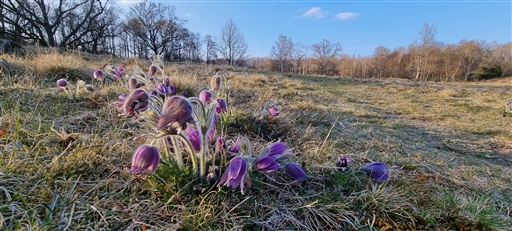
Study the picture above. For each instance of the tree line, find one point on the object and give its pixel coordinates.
(425, 59)
(95, 26)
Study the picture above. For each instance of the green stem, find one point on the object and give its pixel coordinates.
(202, 156)
(177, 152)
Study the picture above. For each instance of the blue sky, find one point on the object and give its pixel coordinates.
(359, 26)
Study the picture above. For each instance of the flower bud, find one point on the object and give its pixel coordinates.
(145, 160)
(62, 83)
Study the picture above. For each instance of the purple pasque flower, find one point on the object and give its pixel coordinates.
(194, 138)
(221, 106)
(172, 90)
(167, 81)
(275, 150)
(220, 144)
(162, 89)
(132, 83)
(266, 161)
(295, 171)
(152, 69)
(236, 174)
(176, 113)
(120, 101)
(205, 96)
(343, 164)
(119, 74)
(135, 103)
(216, 82)
(99, 75)
(377, 171)
(89, 88)
(211, 136)
(266, 164)
(62, 83)
(272, 110)
(145, 160)
(236, 148)
(114, 77)
(258, 118)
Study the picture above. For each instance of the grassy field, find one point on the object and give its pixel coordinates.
(64, 163)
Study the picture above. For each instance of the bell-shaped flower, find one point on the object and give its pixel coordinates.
(343, 164)
(266, 161)
(133, 83)
(135, 103)
(145, 160)
(121, 67)
(176, 113)
(258, 118)
(295, 171)
(119, 74)
(266, 164)
(120, 101)
(220, 145)
(377, 171)
(236, 174)
(172, 90)
(162, 89)
(62, 83)
(205, 96)
(216, 83)
(221, 106)
(211, 135)
(272, 110)
(194, 138)
(152, 69)
(89, 88)
(167, 81)
(98, 75)
(236, 148)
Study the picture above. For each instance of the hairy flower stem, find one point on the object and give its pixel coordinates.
(202, 155)
(177, 152)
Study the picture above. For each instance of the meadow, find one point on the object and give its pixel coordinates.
(64, 163)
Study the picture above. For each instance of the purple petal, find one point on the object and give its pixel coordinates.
(295, 171)
(272, 110)
(377, 171)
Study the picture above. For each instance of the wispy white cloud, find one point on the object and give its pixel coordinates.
(347, 15)
(316, 12)
(188, 15)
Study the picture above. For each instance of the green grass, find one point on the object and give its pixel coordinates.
(63, 163)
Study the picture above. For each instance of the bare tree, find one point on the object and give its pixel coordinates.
(380, 57)
(298, 53)
(156, 26)
(471, 53)
(41, 21)
(324, 52)
(423, 50)
(210, 48)
(232, 45)
(282, 50)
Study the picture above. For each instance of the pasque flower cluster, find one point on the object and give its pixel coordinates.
(183, 130)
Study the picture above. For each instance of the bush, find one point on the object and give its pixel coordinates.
(490, 72)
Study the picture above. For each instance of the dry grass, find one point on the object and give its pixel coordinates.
(63, 163)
